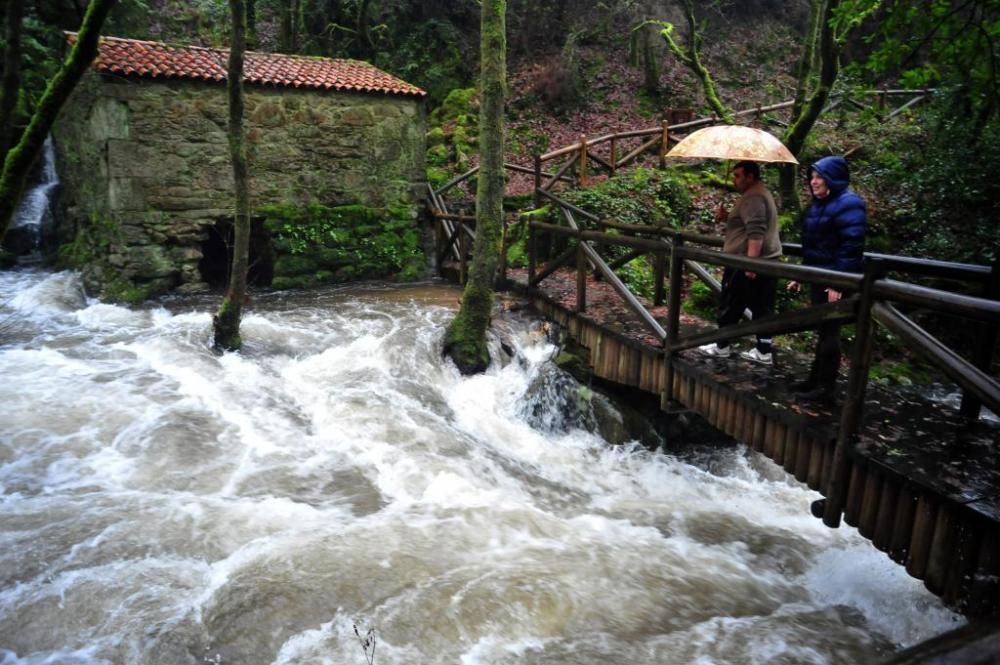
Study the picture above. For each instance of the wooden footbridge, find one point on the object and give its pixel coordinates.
(919, 479)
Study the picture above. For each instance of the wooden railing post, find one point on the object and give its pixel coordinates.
(986, 340)
(581, 277)
(583, 160)
(853, 410)
(538, 180)
(673, 316)
(614, 156)
(664, 143)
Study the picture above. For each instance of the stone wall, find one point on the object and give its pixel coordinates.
(147, 176)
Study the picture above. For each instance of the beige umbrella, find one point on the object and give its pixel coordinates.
(736, 142)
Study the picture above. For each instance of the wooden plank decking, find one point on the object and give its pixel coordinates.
(924, 484)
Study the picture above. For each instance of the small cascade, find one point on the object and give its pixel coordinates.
(35, 218)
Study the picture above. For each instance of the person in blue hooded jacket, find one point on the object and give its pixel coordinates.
(833, 237)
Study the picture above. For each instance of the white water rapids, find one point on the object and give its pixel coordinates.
(161, 504)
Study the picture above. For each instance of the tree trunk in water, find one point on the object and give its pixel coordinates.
(828, 54)
(465, 339)
(11, 74)
(18, 161)
(227, 321)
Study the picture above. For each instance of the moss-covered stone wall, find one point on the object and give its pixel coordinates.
(146, 171)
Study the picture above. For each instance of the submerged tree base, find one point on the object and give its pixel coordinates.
(226, 325)
(465, 341)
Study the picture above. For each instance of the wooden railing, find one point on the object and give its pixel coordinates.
(576, 164)
(877, 301)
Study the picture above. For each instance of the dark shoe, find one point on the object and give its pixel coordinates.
(818, 508)
(818, 395)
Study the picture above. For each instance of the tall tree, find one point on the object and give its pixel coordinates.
(288, 26)
(11, 73)
(953, 44)
(465, 339)
(226, 322)
(18, 160)
(690, 55)
(830, 22)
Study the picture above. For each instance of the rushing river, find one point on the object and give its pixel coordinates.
(162, 504)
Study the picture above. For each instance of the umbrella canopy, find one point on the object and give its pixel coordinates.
(735, 142)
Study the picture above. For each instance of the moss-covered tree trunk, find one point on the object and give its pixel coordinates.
(823, 52)
(227, 321)
(690, 56)
(18, 160)
(465, 339)
(11, 86)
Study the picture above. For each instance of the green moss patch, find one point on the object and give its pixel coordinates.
(321, 245)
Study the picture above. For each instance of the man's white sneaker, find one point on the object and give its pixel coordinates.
(715, 350)
(757, 357)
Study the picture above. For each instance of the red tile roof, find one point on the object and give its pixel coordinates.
(133, 57)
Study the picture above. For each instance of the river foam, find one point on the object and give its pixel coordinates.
(164, 504)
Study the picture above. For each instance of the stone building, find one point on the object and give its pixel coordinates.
(336, 153)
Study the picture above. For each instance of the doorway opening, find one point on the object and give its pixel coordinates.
(217, 254)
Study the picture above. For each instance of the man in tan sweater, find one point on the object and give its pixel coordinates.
(751, 230)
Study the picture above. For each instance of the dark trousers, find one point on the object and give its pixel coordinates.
(740, 293)
(826, 361)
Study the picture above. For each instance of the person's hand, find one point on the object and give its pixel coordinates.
(833, 295)
(750, 274)
(793, 286)
(721, 213)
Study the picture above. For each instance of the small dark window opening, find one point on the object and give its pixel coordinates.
(217, 254)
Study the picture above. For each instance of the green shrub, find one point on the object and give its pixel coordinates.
(642, 196)
(639, 277)
(700, 300)
(317, 244)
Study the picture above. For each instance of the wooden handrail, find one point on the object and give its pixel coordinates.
(656, 133)
(962, 372)
(794, 321)
(566, 204)
(970, 307)
(915, 265)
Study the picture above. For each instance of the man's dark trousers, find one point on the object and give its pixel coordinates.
(739, 292)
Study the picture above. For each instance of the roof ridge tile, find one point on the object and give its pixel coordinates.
(143, 58)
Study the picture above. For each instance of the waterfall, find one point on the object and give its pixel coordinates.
(34, 216)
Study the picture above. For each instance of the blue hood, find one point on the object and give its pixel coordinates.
(835, 172)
